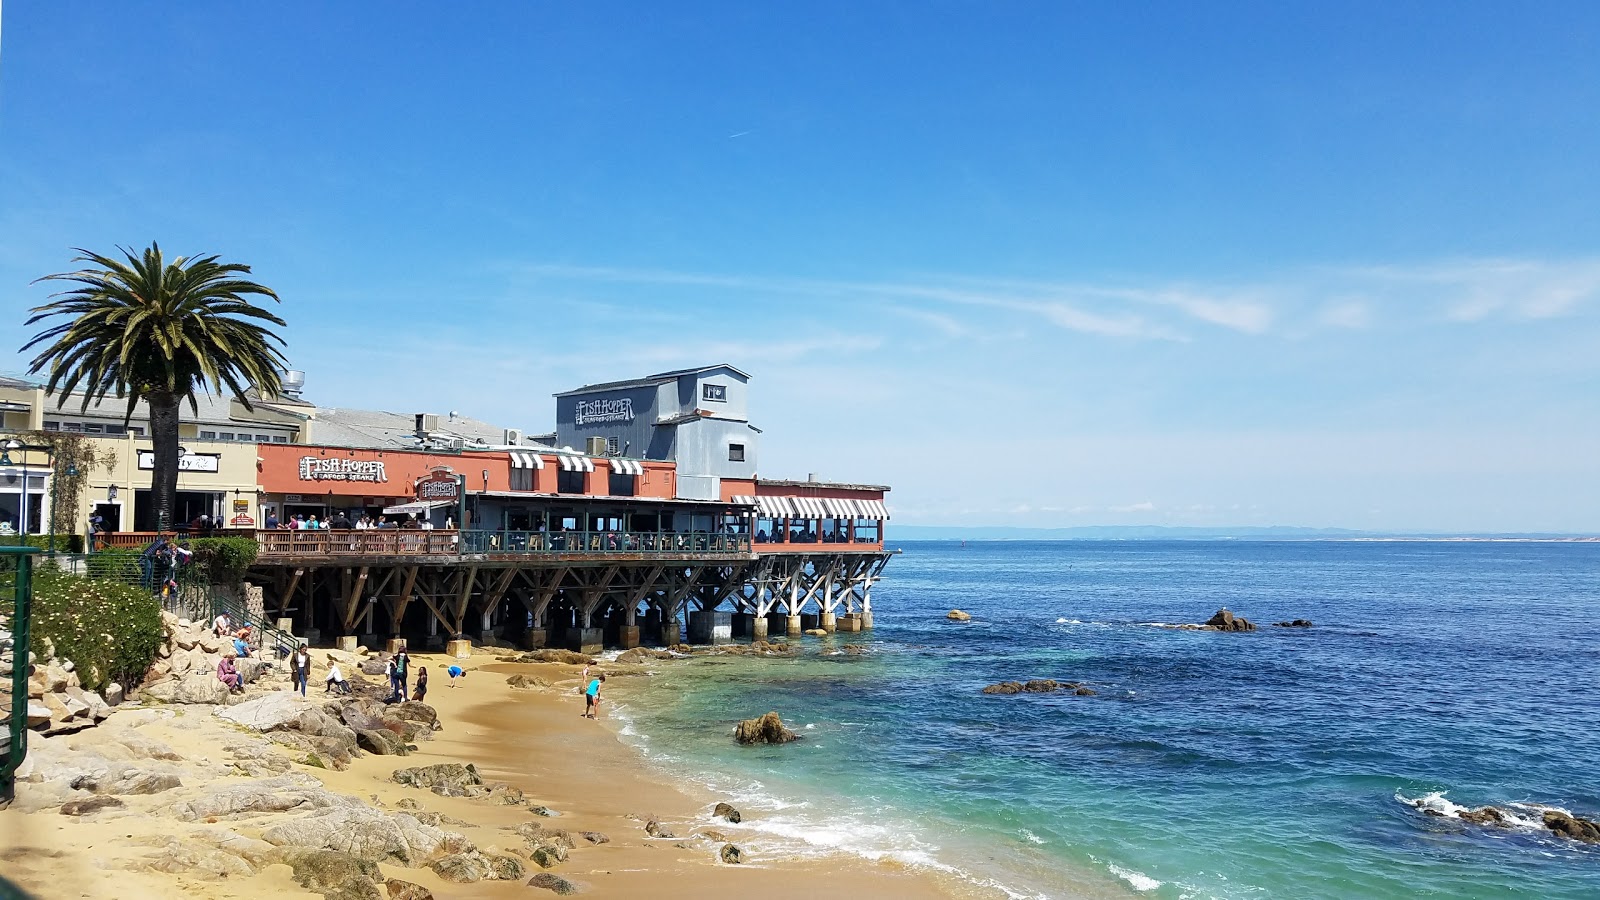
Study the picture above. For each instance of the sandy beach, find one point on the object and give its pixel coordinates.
(532, 739)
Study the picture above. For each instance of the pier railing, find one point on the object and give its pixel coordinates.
(603, 542)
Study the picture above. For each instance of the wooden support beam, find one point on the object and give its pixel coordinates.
(465, 582)
(352, 599)
(288, 592)
(397, 610)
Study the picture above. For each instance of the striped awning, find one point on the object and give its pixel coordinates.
(576, 463)
(521, 459)
(627, 467)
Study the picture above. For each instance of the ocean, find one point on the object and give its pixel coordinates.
(1284, 762)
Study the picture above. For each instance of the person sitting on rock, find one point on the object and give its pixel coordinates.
(228, 674)
(222, 625)
(336, 679)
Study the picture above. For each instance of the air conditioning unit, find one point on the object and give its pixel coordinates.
(595, 446)
(514, 436)
(456, 443)
(427, 423)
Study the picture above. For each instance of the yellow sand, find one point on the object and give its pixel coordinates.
(535, 740)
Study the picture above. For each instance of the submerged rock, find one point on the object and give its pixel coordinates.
(1297, 623)
(726, 811)
(956, 615)
(1483, 815)
(731, 854)
(767, 729)
(1004, 687)
(1224, 620)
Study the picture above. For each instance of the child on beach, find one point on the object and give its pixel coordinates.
(455, 672)
(335, 679)
(591, 697)
(422, 684)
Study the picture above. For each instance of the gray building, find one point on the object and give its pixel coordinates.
(697, 418)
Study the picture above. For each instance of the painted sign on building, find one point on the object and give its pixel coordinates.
(191, 462)
(335, 468)
(439, 486)
(590, 412)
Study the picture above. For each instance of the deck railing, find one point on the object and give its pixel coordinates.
(602, 542)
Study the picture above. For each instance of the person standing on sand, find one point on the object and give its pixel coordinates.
(422, 684)
(402, 666)
(591, 697)
(300, 668)
(455, 672)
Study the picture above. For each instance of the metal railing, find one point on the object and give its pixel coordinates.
(16, 608)
(358, 542)
(602, 542)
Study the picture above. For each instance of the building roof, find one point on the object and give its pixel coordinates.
(6, 381)
(336, 427)
(828, 485)
(656, 380)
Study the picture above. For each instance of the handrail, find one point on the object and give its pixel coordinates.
(603, 542)
(16, 730)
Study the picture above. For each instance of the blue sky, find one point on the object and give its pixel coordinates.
(1037, 264)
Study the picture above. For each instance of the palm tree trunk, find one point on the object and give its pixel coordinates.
(164, 436)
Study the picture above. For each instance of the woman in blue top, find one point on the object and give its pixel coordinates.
(591, 697)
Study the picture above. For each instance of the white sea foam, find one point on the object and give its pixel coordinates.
(1031, 837)
(1526, 816)
(1138, 880)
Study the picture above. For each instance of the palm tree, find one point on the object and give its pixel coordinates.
(153, 330)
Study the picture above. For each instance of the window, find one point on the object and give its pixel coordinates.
(522, 479)
(716, 393)
(52, 426)
(93, 428)
(622, 485)
(72, 426)
(280, 439)
(136, 429)
(221, 435)
(116, 429)
(736, 453)
(264, 438)
(570, 482)
(613, 445)
(208, 435)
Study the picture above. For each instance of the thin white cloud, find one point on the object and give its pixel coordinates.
(1146, 506)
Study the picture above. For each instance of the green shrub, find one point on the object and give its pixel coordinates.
(65, 543)
(109, 630)
(119, 564)
(223, 560)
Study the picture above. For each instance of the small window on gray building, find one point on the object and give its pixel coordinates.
(716, 393)
(280, 439)
(208, 435)
(263, 438)
(136, 429)
(613, 445)
(736, 453)
(93, 428)
(116, 429)
(52, 426)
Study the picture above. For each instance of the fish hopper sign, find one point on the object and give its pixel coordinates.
(439, 486)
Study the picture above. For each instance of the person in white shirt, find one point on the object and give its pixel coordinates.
(223, 625)
(336, 679)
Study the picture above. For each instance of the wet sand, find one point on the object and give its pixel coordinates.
(533, 739)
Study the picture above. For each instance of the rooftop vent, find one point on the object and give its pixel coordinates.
(294, 381)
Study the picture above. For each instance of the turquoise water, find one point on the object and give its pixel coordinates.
(1268, 764)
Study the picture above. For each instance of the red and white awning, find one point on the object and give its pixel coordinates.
(776, 507)
(627, 467)
(576, 463)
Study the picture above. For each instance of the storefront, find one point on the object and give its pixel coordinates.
(216, 479)
(335, 482)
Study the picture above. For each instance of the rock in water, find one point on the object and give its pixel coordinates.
(1572, 827)
(1004, 687)
(1483, 815)
(768, 729)
(726, 811)
(956, 615)
(731, 855)
(1297, 623)
(1227, 621)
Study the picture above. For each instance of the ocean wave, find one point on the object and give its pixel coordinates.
(1137, 880)
(1031, 837)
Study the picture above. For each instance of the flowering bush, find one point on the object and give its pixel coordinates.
(223, 560)
(109, 630)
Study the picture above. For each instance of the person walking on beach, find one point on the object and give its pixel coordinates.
(300, 668)
(591, 697)
(455, 672)
(422, 684)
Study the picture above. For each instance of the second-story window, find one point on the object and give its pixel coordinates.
(613, 445)
(736, 453)
(570, 482)
(522, 479)
(716, 393)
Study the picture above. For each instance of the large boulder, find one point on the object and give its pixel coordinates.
(557, 656)
(368, 834)
(335, 875)
(382, 742)
(271, 712)
(1297, 623)
(526, 682)
(406, 890)
(453, 774)
(1570, 826)
(1004, 687)
(465, 868)
(192, 688)
(767, 729)
(553, 882)
(956, 615)
(641, 654)
(414, 711)
(1224, 620)
(726, 811)
(234, 797)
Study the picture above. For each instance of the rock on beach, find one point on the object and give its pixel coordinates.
(767, 729)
